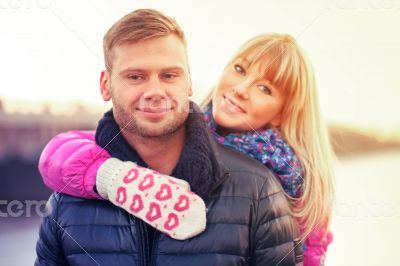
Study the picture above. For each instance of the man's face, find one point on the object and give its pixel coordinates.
(149, 86)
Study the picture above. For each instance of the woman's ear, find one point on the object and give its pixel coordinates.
(190, 90)
(276, 121)
(105, 88)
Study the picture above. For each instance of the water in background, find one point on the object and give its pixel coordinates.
(366, 226)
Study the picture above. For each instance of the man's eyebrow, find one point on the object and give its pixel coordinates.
(140, 70)
(173, 68)
(136, 70)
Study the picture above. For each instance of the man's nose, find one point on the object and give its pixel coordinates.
(154, 90)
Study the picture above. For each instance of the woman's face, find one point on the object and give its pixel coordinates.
(243, 101)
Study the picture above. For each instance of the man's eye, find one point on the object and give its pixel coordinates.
(169, 76)
(264, 89)
(135, 77)
(239, 69)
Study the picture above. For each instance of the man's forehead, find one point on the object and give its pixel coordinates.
(154, 54)
(150, 64)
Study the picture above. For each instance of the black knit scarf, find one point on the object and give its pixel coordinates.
(197, 163)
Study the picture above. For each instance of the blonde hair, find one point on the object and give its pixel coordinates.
(139, 25)
(282, 62)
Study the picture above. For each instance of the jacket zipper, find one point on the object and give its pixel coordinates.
(157, 233)
(143, 233)
(153, 253)
(142, 239)
(145, 243)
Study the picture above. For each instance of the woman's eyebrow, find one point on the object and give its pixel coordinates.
(243, 60)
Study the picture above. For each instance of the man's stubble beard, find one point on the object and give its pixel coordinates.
(128, 122)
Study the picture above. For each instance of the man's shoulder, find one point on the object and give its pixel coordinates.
(248, 172)
(70, 210)
(64, 202)
(61, 199)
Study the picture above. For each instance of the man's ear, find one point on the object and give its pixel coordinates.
(105, 85)
(190, 92)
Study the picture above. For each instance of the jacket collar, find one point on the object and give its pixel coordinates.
(199, 162)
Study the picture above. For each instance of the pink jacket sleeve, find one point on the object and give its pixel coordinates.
(69, 163)
(316, 248)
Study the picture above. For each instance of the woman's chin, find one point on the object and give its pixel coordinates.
(225, 124)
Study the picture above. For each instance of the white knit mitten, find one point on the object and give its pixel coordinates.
(164, 202)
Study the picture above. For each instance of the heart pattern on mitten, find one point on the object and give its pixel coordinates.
(147, 182)
(131, 176)
(154, 212)
(182, 204)
(172, 222)
(164, 193)
(159, 201)
(137, 203)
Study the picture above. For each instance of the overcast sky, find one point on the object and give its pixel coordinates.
(51, 50)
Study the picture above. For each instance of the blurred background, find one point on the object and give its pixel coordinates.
(51, 58)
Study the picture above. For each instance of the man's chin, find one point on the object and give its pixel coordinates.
(156, 130)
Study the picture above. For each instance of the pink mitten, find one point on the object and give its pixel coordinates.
(164, 202)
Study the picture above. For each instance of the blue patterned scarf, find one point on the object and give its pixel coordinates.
(268, 147)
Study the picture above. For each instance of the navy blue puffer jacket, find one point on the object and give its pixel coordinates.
(248, 223)
(248, 220)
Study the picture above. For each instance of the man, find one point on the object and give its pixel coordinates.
(147, 78)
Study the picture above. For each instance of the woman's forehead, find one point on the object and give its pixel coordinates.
(266, 69)
(263, 67)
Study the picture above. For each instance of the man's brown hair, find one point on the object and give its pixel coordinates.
(139, 25)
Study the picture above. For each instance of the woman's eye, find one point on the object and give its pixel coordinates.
(264, 89)
(239, 69)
